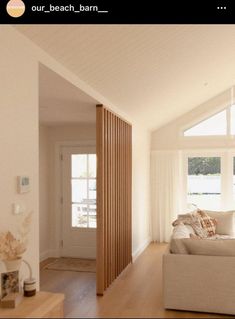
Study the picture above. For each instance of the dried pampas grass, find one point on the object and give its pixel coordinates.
(12, 247)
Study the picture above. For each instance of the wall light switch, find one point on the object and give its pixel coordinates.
(18, 209)
(23, 184)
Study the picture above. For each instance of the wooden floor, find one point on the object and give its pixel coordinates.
(137, 293)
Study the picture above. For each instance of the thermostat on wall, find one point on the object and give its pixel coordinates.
(23, 184)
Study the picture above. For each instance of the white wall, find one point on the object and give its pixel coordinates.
(141, 231)
(19, 135)
(171, 137)
(44, 196)
(80, 132)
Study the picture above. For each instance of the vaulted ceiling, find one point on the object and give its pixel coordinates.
(155, 73)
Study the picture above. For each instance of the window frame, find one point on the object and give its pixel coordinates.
(228, 129)
(199, 119)
(226, 174)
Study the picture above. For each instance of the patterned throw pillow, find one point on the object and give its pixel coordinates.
(208, 223)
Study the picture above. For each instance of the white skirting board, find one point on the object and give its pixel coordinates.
(55, 254)
(49, 253)
(139, 251)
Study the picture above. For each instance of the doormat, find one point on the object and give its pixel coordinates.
(72, 264)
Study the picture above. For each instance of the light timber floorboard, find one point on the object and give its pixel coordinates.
(137, 293)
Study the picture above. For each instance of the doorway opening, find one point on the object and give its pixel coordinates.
(67, 199)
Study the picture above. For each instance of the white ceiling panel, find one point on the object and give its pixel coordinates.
(154, 73)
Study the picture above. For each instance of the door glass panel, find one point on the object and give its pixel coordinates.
(79, 165)
(83, 189)
(79, 215)
(204, 182)
(79, 190)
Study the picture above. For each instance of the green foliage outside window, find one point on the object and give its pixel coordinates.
(204, 165)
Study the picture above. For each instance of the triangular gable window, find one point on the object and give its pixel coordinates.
(232, 121)
(214, 125)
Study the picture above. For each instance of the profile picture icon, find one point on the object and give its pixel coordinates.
(15, 8)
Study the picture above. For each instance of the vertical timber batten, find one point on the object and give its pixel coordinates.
(114, 173)
(100, 132)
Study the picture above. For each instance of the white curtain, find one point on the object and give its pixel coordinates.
(165, 192)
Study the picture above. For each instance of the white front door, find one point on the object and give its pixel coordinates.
(79, 202)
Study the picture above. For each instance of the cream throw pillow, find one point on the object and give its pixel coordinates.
(225, 222)
(182, 231)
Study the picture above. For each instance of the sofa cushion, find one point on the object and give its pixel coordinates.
(218, 247)
(225, 222)
(208, 223)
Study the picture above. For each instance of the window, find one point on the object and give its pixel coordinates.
(233, 178)
(204, 182)
(83, 182)
(232, 119)
(215, 125)
(209, 180)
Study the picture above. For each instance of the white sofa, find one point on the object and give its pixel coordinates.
(202, 282)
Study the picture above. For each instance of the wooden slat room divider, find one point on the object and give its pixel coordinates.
(114, 167)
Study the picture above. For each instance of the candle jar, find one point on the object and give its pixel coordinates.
(29, 287)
